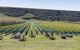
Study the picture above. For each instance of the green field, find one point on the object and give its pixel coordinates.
(40, 41)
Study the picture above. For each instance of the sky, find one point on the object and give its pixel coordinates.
(73, 5)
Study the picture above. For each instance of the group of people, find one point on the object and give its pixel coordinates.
(64, 36)
(47, 34)
(18, 36)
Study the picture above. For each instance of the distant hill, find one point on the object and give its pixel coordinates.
(41, 14)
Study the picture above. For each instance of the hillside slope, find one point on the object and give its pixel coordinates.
(42, 14)
(8, 20)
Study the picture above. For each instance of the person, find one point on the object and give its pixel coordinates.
(63, 36)
(18, 35)
(12, 36)
(1, 37)
(32, 35)
(23, 38)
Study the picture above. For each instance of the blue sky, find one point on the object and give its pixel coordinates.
(43, 4)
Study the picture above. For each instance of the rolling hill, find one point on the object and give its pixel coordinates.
(41, 14)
